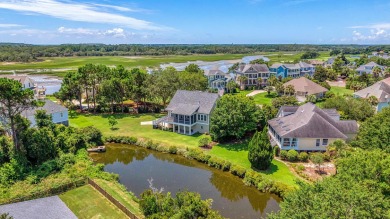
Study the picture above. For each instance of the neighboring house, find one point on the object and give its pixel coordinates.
(305, 87)
(253, 72)
(188, 112)
(216, 79)
(292, 70)
(380, 54)
(367, 68)
(316, 63)
(27, 82)
(380, 90)
(309, 128)
(329, 62)
(59, 114)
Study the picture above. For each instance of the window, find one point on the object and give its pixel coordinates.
(286, 142)
(324, 142)
(294, 142)
(318, 142)
(62, 115)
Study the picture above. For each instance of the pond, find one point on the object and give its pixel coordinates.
(136, 165)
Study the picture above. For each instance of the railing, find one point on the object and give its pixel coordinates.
(112, 199)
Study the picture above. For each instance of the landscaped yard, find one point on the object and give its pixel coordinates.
(129, 125)
(341, 90)
(264, 98)
(86, 202)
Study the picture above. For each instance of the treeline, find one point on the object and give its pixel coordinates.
(106, 89)
(27, 52)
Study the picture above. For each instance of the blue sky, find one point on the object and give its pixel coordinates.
(195, 21)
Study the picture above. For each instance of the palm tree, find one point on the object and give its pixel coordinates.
(387, 72)
(290, 90)
(269, 89)
(279, 87)
(376, 71)
(231, 85)
(242, 79)
(272, 80)
(373, 100)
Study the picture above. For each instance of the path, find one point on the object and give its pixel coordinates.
(147, 123)
(43, 208)
(253, 93)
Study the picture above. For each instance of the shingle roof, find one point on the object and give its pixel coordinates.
(309, 121)
(371, 65)
(213, 72)
(50, 107)
(257, 67)
(303, 84)
(305, 65)
(20, 78)
(289, 66)
(187, 102)
(380, 90)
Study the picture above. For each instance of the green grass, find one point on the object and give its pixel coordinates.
(141, 61)
(86, 202)
(340, 91)
(129, 125)
(238, 154)
(264, 98)
(120, 193)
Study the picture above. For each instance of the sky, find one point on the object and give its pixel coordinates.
(195, 21)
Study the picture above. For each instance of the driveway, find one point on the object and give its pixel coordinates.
(43, 208)
(253, 93)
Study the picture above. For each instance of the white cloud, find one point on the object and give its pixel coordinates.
(116, 32)
(79, 31)
(373, 26)
(74, 11)
(9, 25)
(372, 36)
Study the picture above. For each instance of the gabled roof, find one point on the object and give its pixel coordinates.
(50, 107)
(305, 65)
(187, 102)
(380, 90)
(20, 78)
(213, 72)
(256, 67)
(371, 65)
(303, 84)
(309, 121)
(289, 66)
(316, 62)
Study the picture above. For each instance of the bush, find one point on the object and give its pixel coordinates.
(216, 162)
(303, 156)
(252, 178)
(172, 150)
(283, 155)
(260, 151)
(204, 142)
(277, 151)
(292, 155)
(237, 170)
(327, 156)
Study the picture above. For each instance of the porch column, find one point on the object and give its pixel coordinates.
(173, 127)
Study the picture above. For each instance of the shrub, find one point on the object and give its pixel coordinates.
(260, 151)
(216, 162)
(252, 178)
(327, 156)
(292, 155)
(194, 153)
(172, 150)
(237, 170)
(204, 142)
(300, 167)
(303, 156)
(277, 151)
(283, 155)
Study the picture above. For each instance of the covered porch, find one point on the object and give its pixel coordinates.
(183, 129)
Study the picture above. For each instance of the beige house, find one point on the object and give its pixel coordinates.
(380, 90)
(305, 87)
(256, 74)
(309, 128)
(188, 112)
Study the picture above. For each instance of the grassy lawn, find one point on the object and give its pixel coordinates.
(129, 125)
(341, 91)
(121, 194)
(264, 98)
(86, 202)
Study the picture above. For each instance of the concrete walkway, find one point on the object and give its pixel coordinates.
(253, 93)
(43, 208)
(147, 123)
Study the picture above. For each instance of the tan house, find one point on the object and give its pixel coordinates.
(305, 87)
(309, 128)
(188, 112)
(256, 74)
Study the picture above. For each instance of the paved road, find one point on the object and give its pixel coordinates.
(253, 93)
(43, 208)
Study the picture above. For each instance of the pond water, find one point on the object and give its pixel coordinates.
(136, 165)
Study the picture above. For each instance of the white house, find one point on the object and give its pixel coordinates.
(367, 68)
(216, 78)
(189, 112)
(27, 82)
(58, 113)
(309, 128)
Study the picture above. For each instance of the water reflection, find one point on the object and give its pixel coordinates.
(174, 173)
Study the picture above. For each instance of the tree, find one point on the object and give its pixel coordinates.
(269, 89)
(310, 55)
(234, 67)
(260, 151)
(193, 68)
(279, 88)
(289, 89)
(351, 108)
(110, 91)
(258, 61)
(242, 79)
(272, 80)
(233, 116)
(387, 72)
(204, 142)
(112, 122)
(231, 85)
(317, 159)
(140, 89)
(373, 100)
(376, 72)
(321, 74)
(164, 84)
(13, 100)
(284, 101)
(43, 119)
(311, 98)
(192, 81)
(375, 132)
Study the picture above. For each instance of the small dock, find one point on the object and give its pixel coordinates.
(97, 149)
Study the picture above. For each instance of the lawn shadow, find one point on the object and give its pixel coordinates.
(271, 169)
(235, 146)
(121, 115)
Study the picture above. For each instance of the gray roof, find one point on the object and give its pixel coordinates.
(20, 78)
(303, 84)
(188, 102)
(305, 65)
(380, 90)
(289, 66)
(213, 72)
(50, 107)
(309, 121)
(256, 67)
(370, 65)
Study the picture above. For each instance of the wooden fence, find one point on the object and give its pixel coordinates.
(112, 199)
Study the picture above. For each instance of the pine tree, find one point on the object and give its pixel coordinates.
(260, 151)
